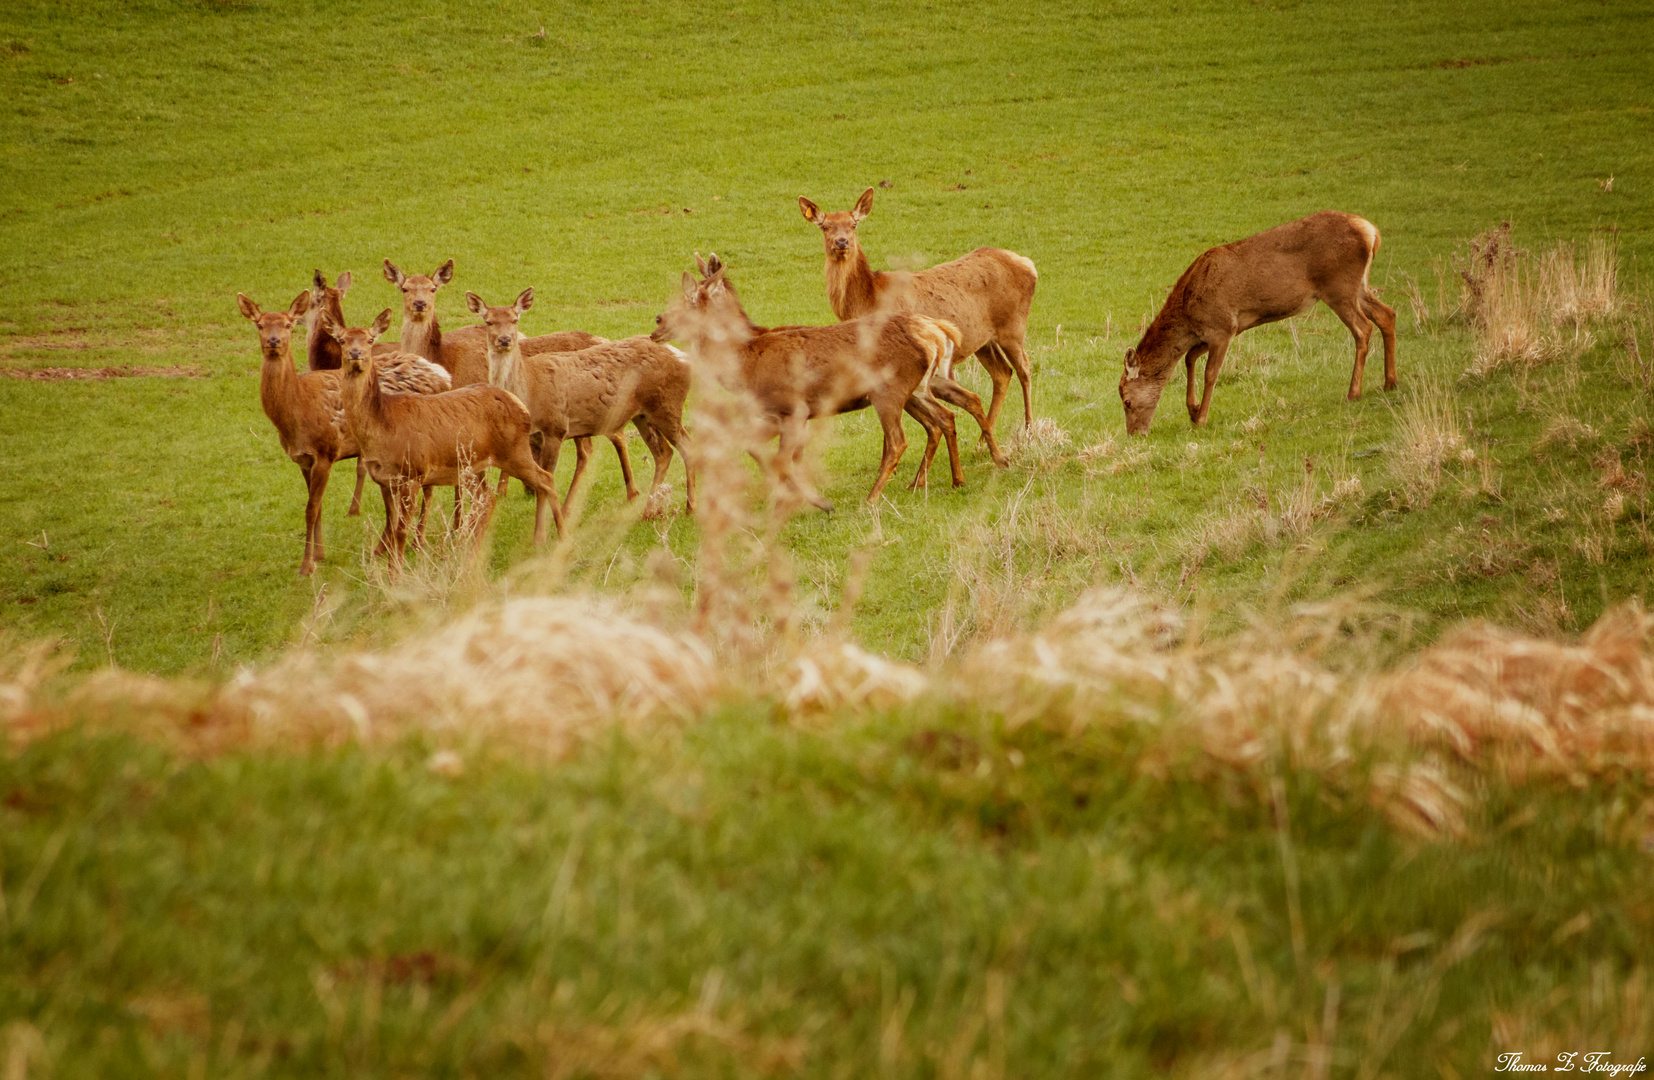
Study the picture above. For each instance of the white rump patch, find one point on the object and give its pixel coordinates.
(1369, 232)
(1025, 261)
(683, 357)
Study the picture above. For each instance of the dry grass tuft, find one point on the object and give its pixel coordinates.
(1529, 310)
(1564, 430)
(833, 675)
(1109, 457)
(1043, 445)
(23, 669)
(1430, 437)
(538, 673)
(1531, 703)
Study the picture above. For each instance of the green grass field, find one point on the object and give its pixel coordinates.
(738, 897)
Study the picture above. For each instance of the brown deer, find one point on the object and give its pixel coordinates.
(320, 348)
(987, 294)
(308, 411)
(413, 441)
(1274, 275)
(461, 352)
(576, 394)
(795, 374)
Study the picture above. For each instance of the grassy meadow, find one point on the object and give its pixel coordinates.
(1252, 839)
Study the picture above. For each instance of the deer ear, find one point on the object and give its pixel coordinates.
(444, 273)
(333, 329)
(245, 303)
(1133, 369)
(300, 305)
(811, 212)
(714, 264)
(525, 300)
(700, 264)
(392, 274)
(474, 303)
(864, 205)
(343, 283)
(690, 287)
(320, 281)
(380, 325)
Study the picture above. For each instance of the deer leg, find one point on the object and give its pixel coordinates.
(356, 496)
(1018, 357)
(1349, 312)
(582, 452)
(951, 392)
(403, 500)
(669, 429)
(1189, 363)
(895, 444)
(385, 536)
(999, 370)
(522, 465)
(551, 448)
(316, 480)
(424, 508)
(618, 441)
(659, 448)
(922, 412)
(794, 429)
(1385, 316)
(1214, 363)
(484, 497)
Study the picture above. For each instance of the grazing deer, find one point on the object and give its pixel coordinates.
(308, 411)
(1274, 275)
(413, 441)
(986, 294)
(795, 374)
(576, 394)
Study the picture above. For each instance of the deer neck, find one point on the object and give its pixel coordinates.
(852, 287)
(320, 349)
(422, 337)
(506, 369)
(278, 384)
(364, 401)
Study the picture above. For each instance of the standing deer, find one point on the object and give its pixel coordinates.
(576, 394)
(413, 441)
(1274, 275)
(320, 348)
(462, 352)
(987, 294)
(307, 408)
(795, 374)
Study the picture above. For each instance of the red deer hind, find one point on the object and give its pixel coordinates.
(1274, 275)
(987, 294)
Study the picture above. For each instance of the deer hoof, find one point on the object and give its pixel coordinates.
(1355, 395)
(1389, 384)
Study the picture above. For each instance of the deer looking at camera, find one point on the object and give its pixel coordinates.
(413, 441)
(1274, 275)
(461, 352)
(307, 409)
(987, 294)
(576, 394)
(795, 374)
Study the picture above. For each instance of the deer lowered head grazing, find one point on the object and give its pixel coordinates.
(1274, 275)
(987, 294)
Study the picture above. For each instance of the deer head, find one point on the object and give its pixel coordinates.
(419, 290)
(356, 343)
(328, 299)
(1139, 394)
(501, 321)
(275, 328)
(708, 308)
(838, 229)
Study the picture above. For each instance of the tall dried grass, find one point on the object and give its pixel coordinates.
(1429, 438)
(1527, 309)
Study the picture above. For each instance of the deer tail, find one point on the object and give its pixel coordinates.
(939, 349)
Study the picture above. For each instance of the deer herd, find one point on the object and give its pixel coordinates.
(440, 409)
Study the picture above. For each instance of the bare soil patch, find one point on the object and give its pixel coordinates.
(63, 374)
